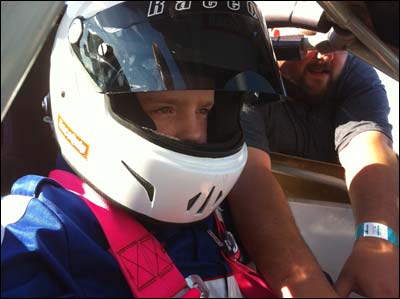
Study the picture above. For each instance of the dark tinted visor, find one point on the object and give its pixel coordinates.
(182, 45)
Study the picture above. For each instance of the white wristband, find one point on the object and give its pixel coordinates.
(377, 230)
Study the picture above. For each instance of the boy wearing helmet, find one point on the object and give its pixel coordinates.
(146, 98)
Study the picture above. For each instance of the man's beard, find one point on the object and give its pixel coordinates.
(299, 93)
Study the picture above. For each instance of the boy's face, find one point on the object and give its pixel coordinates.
(181, 114)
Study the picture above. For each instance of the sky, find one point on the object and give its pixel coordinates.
(391, 85)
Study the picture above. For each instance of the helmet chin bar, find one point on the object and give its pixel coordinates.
(198, 185)
(209, 201)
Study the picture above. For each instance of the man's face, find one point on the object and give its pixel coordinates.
(316, 73)
(180, 114)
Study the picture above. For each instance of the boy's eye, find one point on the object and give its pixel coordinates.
(164, 110)
(204, 111)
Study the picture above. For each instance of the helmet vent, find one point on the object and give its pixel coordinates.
(146, 184)
(192, 201)
(206, 201)
(218, 197)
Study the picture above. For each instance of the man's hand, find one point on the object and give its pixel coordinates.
(372, 270)
(372, 178)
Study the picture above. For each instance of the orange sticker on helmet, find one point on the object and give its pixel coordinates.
(77, 143)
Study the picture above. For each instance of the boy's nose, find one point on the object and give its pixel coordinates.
(192, 129)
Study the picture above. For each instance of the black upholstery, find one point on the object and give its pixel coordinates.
(27, 143)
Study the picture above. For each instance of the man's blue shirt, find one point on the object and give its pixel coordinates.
(356, 103)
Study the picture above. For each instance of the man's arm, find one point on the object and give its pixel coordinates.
(267, 229)
(372, 178)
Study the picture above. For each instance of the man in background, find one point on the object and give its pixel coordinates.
(338, 114)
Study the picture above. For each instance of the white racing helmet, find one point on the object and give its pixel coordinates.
(106, 53)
